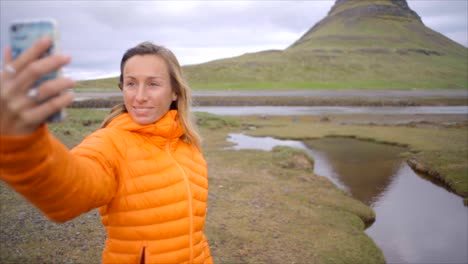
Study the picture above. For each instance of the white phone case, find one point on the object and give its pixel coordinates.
(23, 34)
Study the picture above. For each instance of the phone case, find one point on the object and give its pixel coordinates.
(24, 34)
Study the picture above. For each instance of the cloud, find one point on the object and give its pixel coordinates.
(449, 17)
(97, 33)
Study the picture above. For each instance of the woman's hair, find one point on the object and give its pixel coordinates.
(178, 84)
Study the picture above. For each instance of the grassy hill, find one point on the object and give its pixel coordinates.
(105, 84)
(365, 44)
(359, 44)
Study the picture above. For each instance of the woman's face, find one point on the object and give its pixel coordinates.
(147, 88)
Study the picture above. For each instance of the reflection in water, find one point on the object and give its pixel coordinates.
(417, 221)
(365, 168)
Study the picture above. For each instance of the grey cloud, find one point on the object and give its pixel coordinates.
(96, 33)
(164, 18)
(436, 8)
(449, 17)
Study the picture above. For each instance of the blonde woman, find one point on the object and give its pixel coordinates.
(143, 168)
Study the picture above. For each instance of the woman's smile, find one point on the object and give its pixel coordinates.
(142, 110)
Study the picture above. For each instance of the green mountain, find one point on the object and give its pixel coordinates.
(359, 44)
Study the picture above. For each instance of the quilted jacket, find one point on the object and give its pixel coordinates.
(150, 186)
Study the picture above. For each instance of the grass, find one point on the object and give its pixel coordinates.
(79, 124)
(210, 121)
(105, 84)
(264, 207)
(443, 149)
(349, 85)
(297, 69)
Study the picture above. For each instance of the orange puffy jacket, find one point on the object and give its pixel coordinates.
(151, 186)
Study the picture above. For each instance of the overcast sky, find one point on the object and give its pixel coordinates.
(97, 33)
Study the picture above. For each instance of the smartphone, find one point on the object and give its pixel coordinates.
(23, 34)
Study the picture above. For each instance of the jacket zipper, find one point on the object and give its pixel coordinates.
(142, 256)
(189, 194)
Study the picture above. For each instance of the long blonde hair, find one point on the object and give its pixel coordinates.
(178, 84)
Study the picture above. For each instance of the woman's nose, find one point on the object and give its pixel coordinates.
(142, 94)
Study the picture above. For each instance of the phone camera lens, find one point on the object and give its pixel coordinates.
(14, 28)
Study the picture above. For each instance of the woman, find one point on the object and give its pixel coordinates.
(143, 169)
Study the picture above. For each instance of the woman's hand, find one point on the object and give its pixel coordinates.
(23, 111)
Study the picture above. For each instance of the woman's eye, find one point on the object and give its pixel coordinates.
(131, 85)
(154, 84)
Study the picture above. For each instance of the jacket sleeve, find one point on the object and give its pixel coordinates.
(61, 183)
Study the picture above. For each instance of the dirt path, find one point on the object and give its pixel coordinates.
(306, 97)
(303, 93)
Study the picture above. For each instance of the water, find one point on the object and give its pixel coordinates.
(417, 221)
(242, 141)
(321, 110)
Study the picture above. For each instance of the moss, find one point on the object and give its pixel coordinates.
(207, 120)
(292, 158)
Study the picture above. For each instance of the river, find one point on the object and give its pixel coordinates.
(417, 221)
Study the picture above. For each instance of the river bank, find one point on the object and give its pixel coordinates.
(436, 148)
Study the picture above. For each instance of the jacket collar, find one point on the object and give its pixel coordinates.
(169, 126)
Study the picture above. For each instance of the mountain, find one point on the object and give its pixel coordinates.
(359, 44)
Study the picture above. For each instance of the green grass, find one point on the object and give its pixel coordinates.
(79, 123)
(106, 84)
(210, 121)
(351, 70)
(363, 85)
(367, 84)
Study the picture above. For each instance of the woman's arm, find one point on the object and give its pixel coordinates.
(32, 161)
(62, 184)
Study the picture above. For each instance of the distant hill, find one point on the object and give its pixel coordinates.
(360, 44)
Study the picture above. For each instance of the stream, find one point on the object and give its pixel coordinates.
(417, 220)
